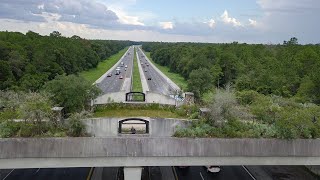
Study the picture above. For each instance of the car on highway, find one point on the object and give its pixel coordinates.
(149, 78)
(213, 169)
(147, 64)
(120, 77)
(109, 75)
(141, 63)
(117, 72)
(145, 70)
(126, 66)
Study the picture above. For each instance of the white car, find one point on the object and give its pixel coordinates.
(213, 169)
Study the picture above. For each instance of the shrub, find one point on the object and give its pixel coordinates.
(27, 130)
(76, 127)
(8, 129)
(247, 97)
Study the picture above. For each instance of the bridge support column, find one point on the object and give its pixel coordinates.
(132, 173)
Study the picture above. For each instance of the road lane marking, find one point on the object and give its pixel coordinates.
(175, 172)
(37, 171)
(8, 174)
(90, 173)
(248, 172)
(201, 176)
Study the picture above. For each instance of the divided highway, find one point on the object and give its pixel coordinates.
(155, 81)
(115, 82)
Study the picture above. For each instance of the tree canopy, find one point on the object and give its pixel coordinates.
(288, 70)
(28, 60)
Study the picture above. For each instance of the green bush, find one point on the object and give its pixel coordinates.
(8, 129)
(247, 97)
(76, 128)
(28, 130)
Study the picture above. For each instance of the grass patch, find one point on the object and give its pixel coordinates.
(176, 78)
(93, 74)
(137, 86)
(137, 112)
(132, 110)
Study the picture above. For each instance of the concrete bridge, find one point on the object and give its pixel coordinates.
(135, 151)
(109, 147)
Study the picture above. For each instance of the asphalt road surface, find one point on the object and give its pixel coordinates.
(114, 83)
(200, 173)
(157, 83)
(47, 174)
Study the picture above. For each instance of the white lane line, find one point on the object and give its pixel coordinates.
(201, 176)
(8, 174)
(37, 171)
(248, 172)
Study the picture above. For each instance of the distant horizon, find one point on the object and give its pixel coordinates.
(166, 41)
(208, 21)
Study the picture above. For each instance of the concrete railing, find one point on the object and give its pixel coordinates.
(146, 151)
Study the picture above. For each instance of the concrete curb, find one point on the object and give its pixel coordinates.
(143, 79)
(169, 81)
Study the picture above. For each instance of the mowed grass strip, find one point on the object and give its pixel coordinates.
(154, 113)
(176, 78)
(137, 86)
(93, 74)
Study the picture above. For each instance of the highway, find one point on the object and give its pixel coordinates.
(113, 83)
(47, 174)
(157, 83)
(191, 173)
(200, 173)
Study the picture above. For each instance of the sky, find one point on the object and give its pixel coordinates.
(213, 21)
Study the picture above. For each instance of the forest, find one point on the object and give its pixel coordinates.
(29, 60)
(287, 70)
(251, 90)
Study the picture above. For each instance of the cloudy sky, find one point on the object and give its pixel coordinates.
(250, 21)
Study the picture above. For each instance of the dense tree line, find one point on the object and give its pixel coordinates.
(28, 60)
(288, 69)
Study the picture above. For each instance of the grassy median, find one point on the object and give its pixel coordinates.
(93, 74)
(176, 78)
(137, 86)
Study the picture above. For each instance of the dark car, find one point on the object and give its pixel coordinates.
(109, 75)
(149, 78)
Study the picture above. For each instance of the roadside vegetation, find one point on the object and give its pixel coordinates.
(28, 61)
(93, 74)
(248, 114)
(175, 77)
(29, 114)
(254, 91)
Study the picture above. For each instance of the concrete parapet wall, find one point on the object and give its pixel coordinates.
(145, 151)
(155, 147)
(152, 97)
(103, 127)
(114, 97)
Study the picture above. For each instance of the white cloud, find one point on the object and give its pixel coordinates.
(211, 23)
(166, 25)
(229, 20)
(252, 22)
(126, 19)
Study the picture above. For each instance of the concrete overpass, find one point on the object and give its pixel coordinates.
(135, 151)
